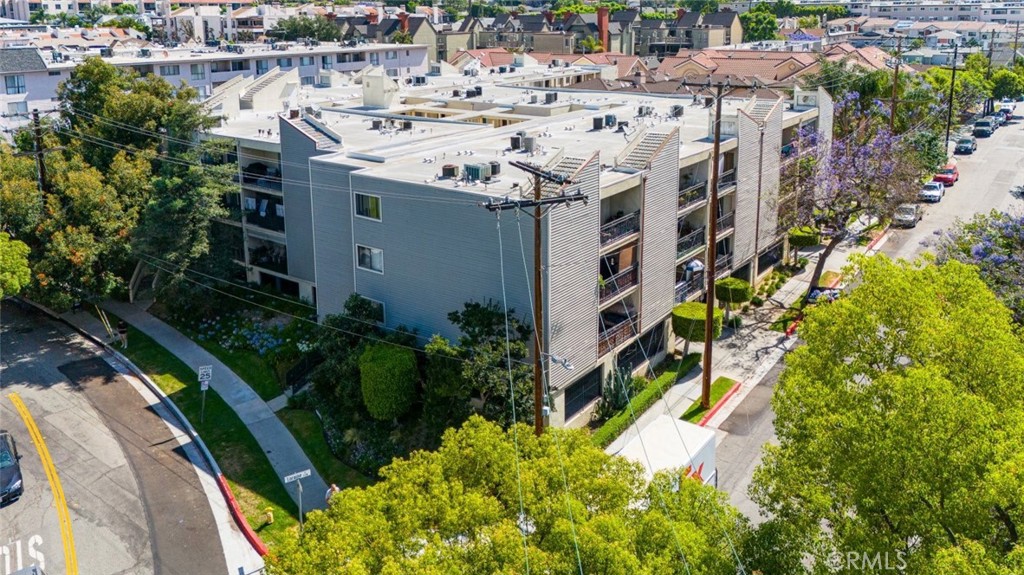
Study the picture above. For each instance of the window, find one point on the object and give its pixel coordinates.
(262, 66)
(239, 65)
(14, 84)
(284, 62)
(582, 392)
(307, 80)
(390, 54)
(370, 259)
(326, 62)
(170, 70)
(198, 72)
(375, 58)
(305, 61)
(54, 72)
(17, 108)
(368, 206)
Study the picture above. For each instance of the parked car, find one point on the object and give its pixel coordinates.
(966, 145)
(907, 216)
(983, 128)
(10, 469)
(997, 120)
(948, 175)
(932, 192)
(1007, 112)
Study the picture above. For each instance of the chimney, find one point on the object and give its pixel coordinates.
(602, 26)
(680, 12)
(549, 16)
(404, 17)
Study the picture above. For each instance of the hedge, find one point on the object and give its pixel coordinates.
(688, 321)
(804, 237)
(387, 375)
(733, 290)
(641, 402)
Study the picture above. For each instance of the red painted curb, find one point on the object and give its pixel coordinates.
(875, 241)
(791, 329)
(236, 512)
(717, 406)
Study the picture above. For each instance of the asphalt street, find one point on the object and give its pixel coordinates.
(134, 502)
(986, 178)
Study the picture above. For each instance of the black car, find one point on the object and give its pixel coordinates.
(10, 470)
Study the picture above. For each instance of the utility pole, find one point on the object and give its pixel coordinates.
(896, 84)
(952, 86)
(705, 383)
(37, 131)
(988, 71)
(538, 203)
(1016, 40)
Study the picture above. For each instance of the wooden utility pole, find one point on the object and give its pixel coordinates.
(896, 84)
(1016, 41)
(538, 203)
(38, 151)
(952, 87)
(989, 106)
(705, 383)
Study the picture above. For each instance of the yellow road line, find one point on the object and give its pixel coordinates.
(70, 558)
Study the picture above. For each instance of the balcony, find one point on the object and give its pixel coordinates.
(267, 221)
(270, 257)
(726, 222)
(726, 180)
(693, 195)
(618, 330)
(263, 182)
(723, 264)
(618, 283)
(620, 228)
(687, 288)
(690, 242)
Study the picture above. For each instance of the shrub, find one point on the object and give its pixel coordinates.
(757, 301)
(688, 322)
(804, 237)
(642, 401)
(387, 375)
(733, 290)
(735, 322)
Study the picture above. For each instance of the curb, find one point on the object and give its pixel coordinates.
(871, 245)
(791, 329)
(714, 408)
(225, 489)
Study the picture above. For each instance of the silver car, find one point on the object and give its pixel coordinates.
(932, 192)
(907, 216)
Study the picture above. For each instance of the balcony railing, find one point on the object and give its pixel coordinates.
(269, 221)
(261, 181)
(687, 288)
(618, 283)
(693, 195)
(616, 335)
(620, 228)
(727, 222)
(727, 179)
(689, 242)
(723, 264)
(268, 260)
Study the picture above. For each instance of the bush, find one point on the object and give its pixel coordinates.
(688, 321)
(735, 322)
(387, 374)
(804, 237)
(642, 401)
(733, 290)
(757, 301)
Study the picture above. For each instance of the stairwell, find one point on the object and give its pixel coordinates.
(640, 157)
(264, 81)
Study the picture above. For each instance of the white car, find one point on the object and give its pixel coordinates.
(932, 192)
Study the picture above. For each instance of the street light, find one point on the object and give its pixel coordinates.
(558, 360)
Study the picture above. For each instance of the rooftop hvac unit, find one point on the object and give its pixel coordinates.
(550, 97)
(529, 144)
(599, 123)
(521, 133)
(517, 142)
(678, 110)
(644, 111)
(450, 171)
(495, 167)
(511, 68)
(477, 172)
(406, 125)
(456, 93)
(534, 98)
(376, 124)
(479, 91)
(502, 69)
(145, 53)
(556, 62)
(106, 52)
(610, 120)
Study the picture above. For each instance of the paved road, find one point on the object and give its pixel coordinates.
(134, 501)
(985, 180)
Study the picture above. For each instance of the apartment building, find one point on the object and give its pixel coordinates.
(31, 76)
(382, 196)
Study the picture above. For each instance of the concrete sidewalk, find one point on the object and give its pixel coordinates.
(283, 452)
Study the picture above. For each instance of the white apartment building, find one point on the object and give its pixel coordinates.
(380, 194)
(30, 76)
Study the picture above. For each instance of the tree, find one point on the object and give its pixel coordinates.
(590, 45)
(733, 291)
(803, 237)
(900, 429)
(759, 26)
(702, 6)
(40, 16)
(124, 9)
(835, 183)
(388, 377)
(994, 244)
(14, 271)
(688, 320)
(457, 510)
(930, 149)
(1006, 84)
(310, 27)
(401, 37)
(808, 22)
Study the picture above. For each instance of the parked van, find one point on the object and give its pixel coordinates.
(695, 454)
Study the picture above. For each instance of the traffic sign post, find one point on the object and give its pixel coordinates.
(205, 376)
(297, 478)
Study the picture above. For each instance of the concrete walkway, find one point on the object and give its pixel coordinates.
(284, 453)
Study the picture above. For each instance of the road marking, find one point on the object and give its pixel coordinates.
(68, 538)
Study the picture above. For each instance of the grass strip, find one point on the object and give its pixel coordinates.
(305, 426)
(719, 388)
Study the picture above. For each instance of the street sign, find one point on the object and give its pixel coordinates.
(205, 373)
(295, 476)
(204, 385)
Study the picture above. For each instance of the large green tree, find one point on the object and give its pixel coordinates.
(14, 271)
(305, 27)
(458, 510)
(702, 6)
(901, 431)
(758, 26)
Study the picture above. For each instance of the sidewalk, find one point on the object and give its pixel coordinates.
(283, 452)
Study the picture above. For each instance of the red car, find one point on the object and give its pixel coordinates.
(947, 175)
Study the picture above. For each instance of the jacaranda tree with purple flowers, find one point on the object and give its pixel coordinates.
(994, 243)
(833, 183)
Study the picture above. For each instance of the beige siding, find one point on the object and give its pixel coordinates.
(658, 239)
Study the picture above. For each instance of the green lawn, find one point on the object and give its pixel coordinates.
(308, 431)
(249, 366)
(787, 317)
(719, 387)
(253, 481)
(828, 277)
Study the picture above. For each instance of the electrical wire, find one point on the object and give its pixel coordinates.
(512, 394)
